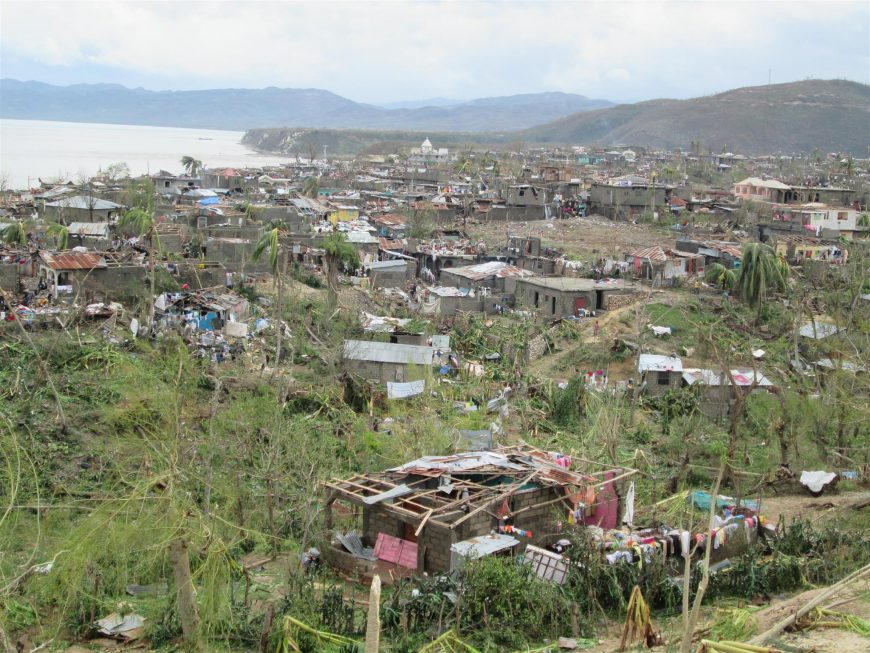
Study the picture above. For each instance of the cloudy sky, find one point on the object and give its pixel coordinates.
(386, 51)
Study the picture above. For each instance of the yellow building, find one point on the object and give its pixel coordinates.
(342, 213)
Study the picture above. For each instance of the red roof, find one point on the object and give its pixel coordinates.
(653, 253)
(393, 219)
(393, 245)
(73, 261)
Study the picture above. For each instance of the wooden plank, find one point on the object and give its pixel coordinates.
(506, 493)
(423, 524)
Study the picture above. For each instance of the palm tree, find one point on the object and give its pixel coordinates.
(848, 166)
(14, 234)
(338, 252)
(762, 273)
(143, 224)
(864, 220)
(722, 277)
(60, 233)
(311, 187)
(191, 166)
(270, 242)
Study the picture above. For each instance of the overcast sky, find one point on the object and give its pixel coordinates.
(386, 51)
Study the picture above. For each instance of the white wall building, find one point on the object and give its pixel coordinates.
(428, 154)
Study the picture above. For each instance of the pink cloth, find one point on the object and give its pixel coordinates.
(605, 514)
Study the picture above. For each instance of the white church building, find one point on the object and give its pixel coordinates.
(428, 154)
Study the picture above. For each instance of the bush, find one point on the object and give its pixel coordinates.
(510, 602)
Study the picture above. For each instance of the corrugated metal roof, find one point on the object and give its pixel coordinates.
(393, 219)
(383, 265)
(463, 462)
(71, 261)
(86, 203)
(657, 363)
(387, 352)
(574, 284)
(361, 238)
(95, 229)
(483, 545)
(653, 253)
(742, 377)
(482, 271)
(818, 330)
(763, 183)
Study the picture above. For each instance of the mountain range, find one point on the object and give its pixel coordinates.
(829, 115)
(241, 109)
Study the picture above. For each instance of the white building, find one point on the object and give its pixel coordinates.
(428, 154)
(815, 217)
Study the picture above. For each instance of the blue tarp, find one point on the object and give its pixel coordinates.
(205, 201)
(701, 501)
(205, 323)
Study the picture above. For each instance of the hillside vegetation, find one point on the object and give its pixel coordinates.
(831, 115)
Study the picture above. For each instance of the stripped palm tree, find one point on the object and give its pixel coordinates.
(270, 242)
(338, 252)
(311, 187)
(142, 224)
(762, 273)
(14, 234)
(60, 233)
(191, 166)
(720, 276)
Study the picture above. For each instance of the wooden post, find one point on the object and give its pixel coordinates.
(373, 623)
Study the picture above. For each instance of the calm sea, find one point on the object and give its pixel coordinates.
(30, 149)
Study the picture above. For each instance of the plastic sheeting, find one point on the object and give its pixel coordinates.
(816, 481)
(405, 390)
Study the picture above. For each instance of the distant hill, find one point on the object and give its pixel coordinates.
(831, 115)
(418, 104)
(242, 109)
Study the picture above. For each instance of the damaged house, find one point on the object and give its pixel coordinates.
(387, 362)
(569, 296)
(433, 513)
(661, 266)
(717, 391)
(497, 277)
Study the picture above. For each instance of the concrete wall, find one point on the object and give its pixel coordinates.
(68, 214)
(453, 305)
(655, 388)
(390, 277)
(236, 256)
(9, 276)
(122, 283)
(554, 303)
(197, 278)
(514, 214)
(384, 372)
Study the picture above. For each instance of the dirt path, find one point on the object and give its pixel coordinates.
(807, 506)
(585, 237)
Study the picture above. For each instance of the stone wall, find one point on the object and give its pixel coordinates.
(613, 301)
(537, 347)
